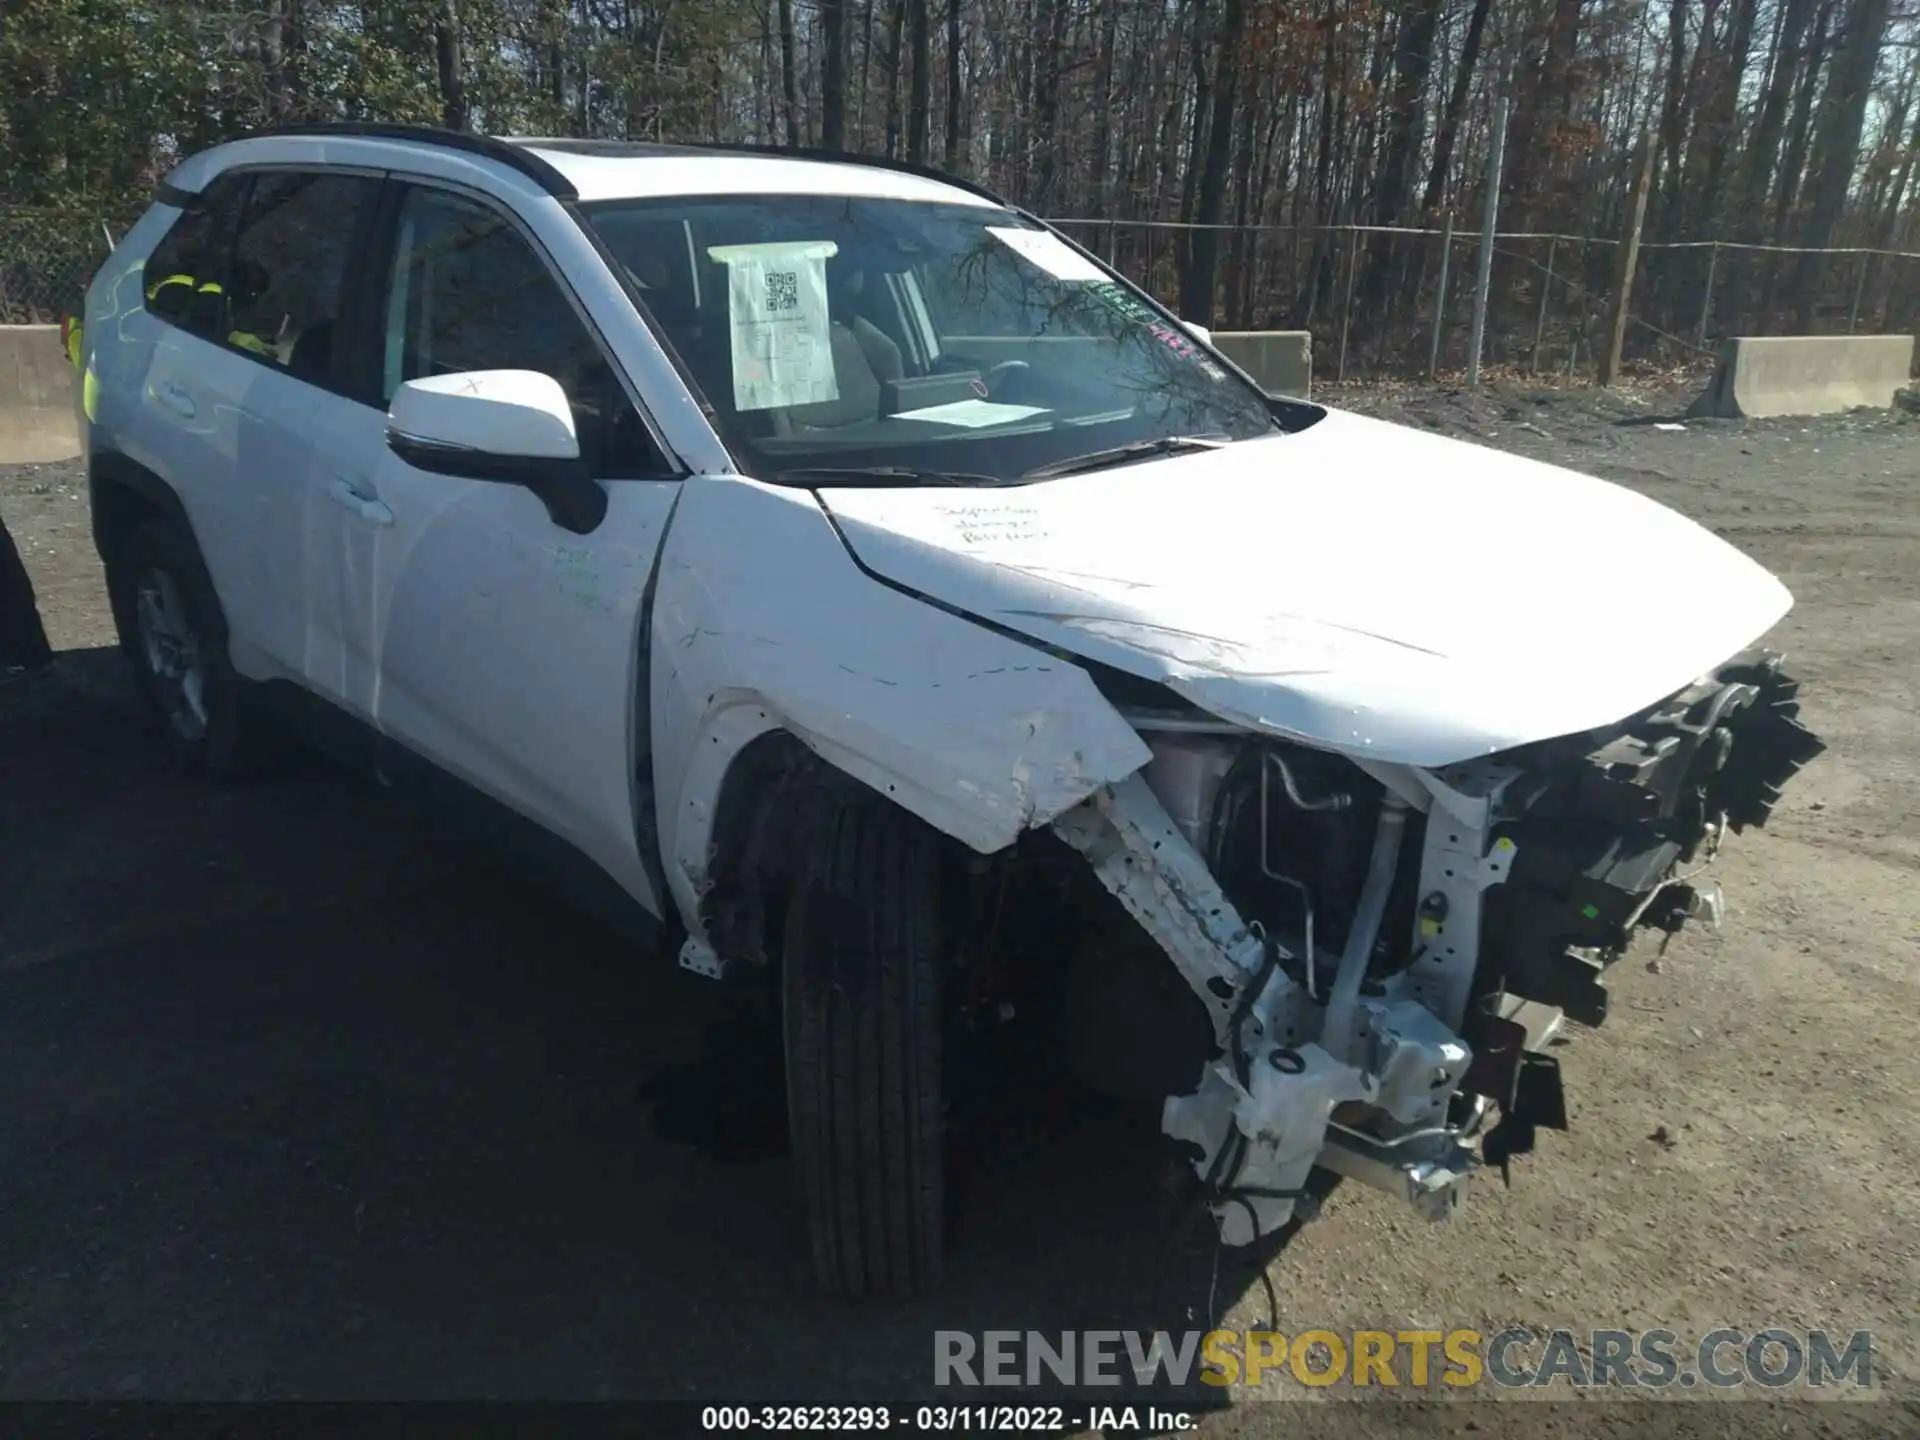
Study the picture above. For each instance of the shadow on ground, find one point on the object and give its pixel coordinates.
(306, 1102)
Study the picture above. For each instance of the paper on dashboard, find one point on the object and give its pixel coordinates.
(972, 414)
(1048, 252)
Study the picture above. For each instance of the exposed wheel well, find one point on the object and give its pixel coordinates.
(1030, 924)
(764, 818)
(752, 846)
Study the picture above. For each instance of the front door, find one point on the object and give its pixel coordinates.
(475, 632)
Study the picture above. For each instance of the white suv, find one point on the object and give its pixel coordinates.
(827, 566)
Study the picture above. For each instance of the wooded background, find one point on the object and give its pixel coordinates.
(1229, 153)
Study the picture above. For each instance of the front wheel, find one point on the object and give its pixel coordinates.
(861, 962)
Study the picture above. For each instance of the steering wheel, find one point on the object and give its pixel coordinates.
(997, 373)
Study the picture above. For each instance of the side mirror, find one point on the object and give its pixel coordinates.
(510, 426)
(1199, 332)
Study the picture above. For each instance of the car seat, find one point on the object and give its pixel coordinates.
(848, 296)
(312, 355)
(864, 358)
(855, 379)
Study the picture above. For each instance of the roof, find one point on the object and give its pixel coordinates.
(589, 170)
(633, 171)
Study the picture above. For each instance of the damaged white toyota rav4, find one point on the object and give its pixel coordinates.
(838, 568)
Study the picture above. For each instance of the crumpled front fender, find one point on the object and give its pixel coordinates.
(762, 620)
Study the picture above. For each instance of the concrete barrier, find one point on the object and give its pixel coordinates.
(1280, 361)
(36, 396)
(1760, 376)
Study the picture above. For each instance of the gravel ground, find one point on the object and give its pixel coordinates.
(307, 1102)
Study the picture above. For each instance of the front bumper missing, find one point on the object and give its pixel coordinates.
(1612, 829)
(1548, 860)
(1430, 1173)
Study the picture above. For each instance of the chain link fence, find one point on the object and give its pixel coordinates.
(47, 257)
(1380, 301)
(1398, 301)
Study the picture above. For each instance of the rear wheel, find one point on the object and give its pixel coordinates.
(861, 961)
(172, 630)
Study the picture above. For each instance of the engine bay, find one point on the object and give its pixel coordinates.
(1379, 954)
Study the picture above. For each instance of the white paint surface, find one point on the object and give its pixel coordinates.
(498, 412)
(240, 444)
(613, 177)
(762, 621)
(1359, 586)
(477, 633)
(451, 613)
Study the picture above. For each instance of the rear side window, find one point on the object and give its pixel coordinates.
(296, 235)
(183, 273)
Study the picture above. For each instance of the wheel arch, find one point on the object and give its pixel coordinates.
(742, 756)
(752, 845)
(124, 495)
(744, 816)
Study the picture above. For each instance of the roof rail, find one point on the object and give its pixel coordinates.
(842, 157)
(516, 157)
(518, 152)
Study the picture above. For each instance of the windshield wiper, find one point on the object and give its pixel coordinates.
(854, 477)
(1120, 454)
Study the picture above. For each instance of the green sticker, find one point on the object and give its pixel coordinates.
(1592, 912)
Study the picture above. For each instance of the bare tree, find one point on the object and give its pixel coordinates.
(1197, 284)
(1836, 148)
(789, 78)
(833, 74)
(953, 85)
(451, 64)
(920, 85)
(1448, 136)
(1267, 126)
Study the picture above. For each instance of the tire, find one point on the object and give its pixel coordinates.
(174, 634)
(862, 1017)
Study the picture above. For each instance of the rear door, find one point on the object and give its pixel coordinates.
(243, 384)
(475, 632)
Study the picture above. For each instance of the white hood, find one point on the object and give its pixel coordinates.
(1359, 586)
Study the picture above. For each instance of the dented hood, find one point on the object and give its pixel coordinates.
(1359, 586)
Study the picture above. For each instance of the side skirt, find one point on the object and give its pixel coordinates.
(471, 816)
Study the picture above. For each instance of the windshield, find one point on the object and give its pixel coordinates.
(914, 343)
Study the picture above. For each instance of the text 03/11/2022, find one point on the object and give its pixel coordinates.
(946, 1419)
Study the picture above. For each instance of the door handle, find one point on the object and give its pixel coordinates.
(342, 493)
(175, 399)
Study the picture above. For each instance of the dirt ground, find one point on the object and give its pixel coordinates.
(305, 1102)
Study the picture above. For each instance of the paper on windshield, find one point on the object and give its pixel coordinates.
(777, 313)
(1049, 252)
(972, 414)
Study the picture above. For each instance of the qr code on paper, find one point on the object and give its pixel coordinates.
(783, 290)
